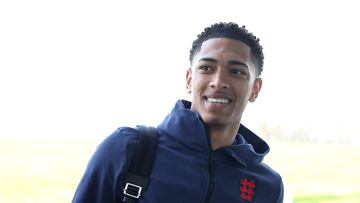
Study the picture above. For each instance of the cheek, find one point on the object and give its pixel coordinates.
(198, 84)
(244, 92)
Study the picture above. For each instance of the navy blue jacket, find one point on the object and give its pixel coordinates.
(185, 169)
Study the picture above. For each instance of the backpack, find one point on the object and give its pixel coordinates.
(137, 177)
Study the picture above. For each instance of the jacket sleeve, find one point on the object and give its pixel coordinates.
(281, 193)
(102, 178)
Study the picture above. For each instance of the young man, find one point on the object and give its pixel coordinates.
(204, 154)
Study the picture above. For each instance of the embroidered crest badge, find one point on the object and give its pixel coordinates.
(246, 189)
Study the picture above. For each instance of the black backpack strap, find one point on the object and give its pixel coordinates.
(137, 178)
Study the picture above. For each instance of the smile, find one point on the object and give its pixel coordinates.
(218, 100)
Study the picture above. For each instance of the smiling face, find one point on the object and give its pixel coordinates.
(222, 80)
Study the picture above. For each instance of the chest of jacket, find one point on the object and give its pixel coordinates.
(183, 176)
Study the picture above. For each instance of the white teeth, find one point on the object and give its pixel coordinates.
(218, 100)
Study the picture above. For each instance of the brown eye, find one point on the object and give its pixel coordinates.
(237, 72)
(205, 68)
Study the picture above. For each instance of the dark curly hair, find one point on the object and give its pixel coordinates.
(232, 31)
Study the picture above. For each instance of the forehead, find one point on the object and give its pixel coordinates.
(225, 47)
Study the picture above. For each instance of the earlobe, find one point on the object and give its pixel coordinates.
(256, 89)
(252, 98)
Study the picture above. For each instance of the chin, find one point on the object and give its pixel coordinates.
(214, 121)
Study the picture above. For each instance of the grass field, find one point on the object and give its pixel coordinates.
(318, 173)
(48, 170)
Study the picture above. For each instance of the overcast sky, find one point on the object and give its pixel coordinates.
(84, 68)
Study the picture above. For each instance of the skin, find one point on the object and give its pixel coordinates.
(222, 69)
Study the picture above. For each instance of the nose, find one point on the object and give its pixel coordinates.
(219, 81)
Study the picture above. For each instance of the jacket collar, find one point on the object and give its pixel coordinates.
(187, 127)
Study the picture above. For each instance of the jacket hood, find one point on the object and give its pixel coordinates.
(187, 127)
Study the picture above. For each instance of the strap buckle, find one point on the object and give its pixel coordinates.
(132, 190)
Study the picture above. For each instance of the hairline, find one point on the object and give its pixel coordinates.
(253, 58)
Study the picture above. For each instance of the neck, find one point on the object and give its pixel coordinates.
(222, 136)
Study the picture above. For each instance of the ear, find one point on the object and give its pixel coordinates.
(256, 89)
(188, 80)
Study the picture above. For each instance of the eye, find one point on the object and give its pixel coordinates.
(238, 72)
(205, 68)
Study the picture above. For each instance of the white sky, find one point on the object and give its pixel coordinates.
(84, 68)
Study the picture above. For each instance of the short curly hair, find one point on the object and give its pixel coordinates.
(232, 31)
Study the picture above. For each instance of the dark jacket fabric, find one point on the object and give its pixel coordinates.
(185, 169)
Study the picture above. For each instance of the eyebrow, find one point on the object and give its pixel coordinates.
(235, 62)
(208, 60)
(232, 62)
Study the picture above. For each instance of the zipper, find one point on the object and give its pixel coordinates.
(212, 176)
(211, 169)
